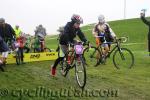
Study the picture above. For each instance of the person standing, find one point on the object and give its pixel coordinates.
(21, 41)
(17, 31)
(40, 33)
(6, 34)
(148, 24)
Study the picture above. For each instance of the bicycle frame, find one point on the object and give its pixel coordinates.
(75, 52)
(42, 44)
(98, 55)
(72, 55)
(114, 48)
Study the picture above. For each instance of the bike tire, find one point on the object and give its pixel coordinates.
(92, 55)
(123, 58)
(80, 69)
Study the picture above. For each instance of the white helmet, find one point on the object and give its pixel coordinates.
(101, 19)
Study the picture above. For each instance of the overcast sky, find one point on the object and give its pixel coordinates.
(54, 13)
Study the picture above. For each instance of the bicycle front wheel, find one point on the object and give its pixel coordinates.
(123, 58)
(92, 56)
(80, 72)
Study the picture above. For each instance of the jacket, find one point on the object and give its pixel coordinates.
(6, 31)
(148, 24)
(70, 33)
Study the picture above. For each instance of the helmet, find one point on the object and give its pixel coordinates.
(101, 18)
(77, 19)
(2, 20)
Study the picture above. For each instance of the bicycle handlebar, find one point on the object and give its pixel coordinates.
(73, 44)
(98, 36)
(116, 39)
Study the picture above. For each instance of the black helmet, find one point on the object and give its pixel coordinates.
(77, 19)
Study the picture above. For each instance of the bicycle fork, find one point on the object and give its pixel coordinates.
(121, 54)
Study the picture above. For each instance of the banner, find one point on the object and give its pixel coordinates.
(30, 57)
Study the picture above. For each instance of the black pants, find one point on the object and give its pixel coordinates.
(57, 61)
(3, 45)
(64, 50)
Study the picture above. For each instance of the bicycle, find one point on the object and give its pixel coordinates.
(74, 59)
(43, 47)
(121, 56)
(40, 46)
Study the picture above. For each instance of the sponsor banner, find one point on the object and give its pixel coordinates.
(30, 57)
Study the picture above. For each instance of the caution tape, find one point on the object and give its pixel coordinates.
(31, 57)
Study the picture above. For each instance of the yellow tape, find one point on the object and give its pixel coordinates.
(30, 57)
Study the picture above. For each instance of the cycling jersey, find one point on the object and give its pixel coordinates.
(104, 29)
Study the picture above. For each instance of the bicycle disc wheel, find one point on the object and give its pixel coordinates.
(18, 57)
(91, 56)
(80, 72)
(123, 58)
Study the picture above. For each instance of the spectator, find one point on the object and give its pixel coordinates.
(7, 34)
(148, 24)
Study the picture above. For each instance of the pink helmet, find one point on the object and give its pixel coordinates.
(77, 19)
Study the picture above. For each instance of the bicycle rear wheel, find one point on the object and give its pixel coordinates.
(123, 58)
(80, 72)
(92, 56)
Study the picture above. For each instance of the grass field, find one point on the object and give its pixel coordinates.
(32, 81)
